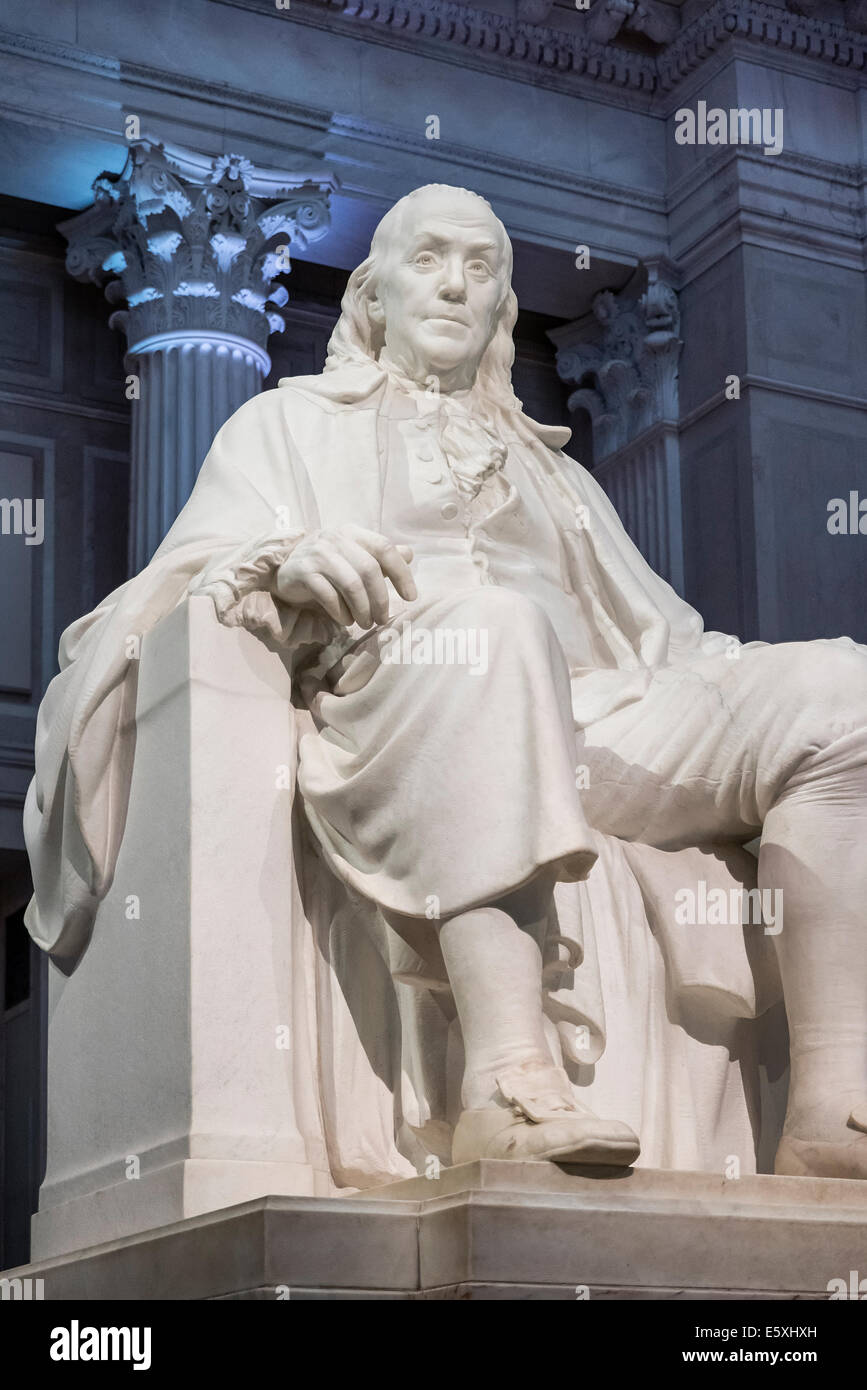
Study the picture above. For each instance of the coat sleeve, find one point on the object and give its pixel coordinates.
(245, 515)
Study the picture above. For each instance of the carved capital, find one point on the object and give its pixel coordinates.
(192, 243)
(624, 363)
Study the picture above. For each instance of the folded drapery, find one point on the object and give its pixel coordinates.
(301, 458)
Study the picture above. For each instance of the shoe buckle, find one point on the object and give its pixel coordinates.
(536, 1098)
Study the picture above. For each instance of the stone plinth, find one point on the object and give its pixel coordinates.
(179, 1099)
(496, 1230)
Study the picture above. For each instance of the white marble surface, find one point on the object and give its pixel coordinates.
(185, 1076)
(494, 1231)
(304, 927)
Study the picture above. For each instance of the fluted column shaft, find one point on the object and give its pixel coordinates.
(190, 384)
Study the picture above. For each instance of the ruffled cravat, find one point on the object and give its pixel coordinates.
(473, 451)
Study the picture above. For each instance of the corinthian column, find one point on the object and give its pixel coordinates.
(190, 248)
(624, 361)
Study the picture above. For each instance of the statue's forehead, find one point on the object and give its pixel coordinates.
(439, 215)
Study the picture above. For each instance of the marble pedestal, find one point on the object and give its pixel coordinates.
(176, 1099)
(496, 1230)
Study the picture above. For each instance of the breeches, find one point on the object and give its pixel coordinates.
(712, 747)
(446, 770)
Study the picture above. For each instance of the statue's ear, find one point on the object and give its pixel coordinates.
(376, 312)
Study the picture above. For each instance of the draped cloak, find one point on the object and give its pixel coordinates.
(622, 988)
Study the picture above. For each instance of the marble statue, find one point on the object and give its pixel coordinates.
(516, 747)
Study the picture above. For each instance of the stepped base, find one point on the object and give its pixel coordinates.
(496, 1230)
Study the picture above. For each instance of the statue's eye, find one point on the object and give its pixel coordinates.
(481, 266)
(425, 258)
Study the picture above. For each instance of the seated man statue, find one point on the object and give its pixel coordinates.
(465, 621)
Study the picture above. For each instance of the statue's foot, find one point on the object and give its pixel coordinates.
(539, 1118)
(820, 1146)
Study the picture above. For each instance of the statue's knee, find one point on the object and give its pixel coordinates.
(501, 610)
(830, 678)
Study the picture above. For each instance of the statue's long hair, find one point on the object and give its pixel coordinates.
(358, 340)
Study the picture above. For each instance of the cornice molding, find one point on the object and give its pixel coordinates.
(42, 50)
(532, 49)
(750, 382)
(33, 401)
(717, 161)
(560, 59)
(477, 31)
(766, 25)
(528, 172)
(769, 233)
(345, 126)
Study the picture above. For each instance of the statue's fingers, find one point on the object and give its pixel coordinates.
(392, 559)
(328, 597)
(394, 564)
(370, 572)
(350, 585)
(357, 671)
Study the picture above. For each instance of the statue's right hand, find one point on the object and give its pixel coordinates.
(343, 572)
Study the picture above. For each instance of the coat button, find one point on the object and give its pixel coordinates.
(425, 454)
(448, 511)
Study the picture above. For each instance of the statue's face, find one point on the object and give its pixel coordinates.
(440, 288)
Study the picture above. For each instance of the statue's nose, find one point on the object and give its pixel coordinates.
(452, 285)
